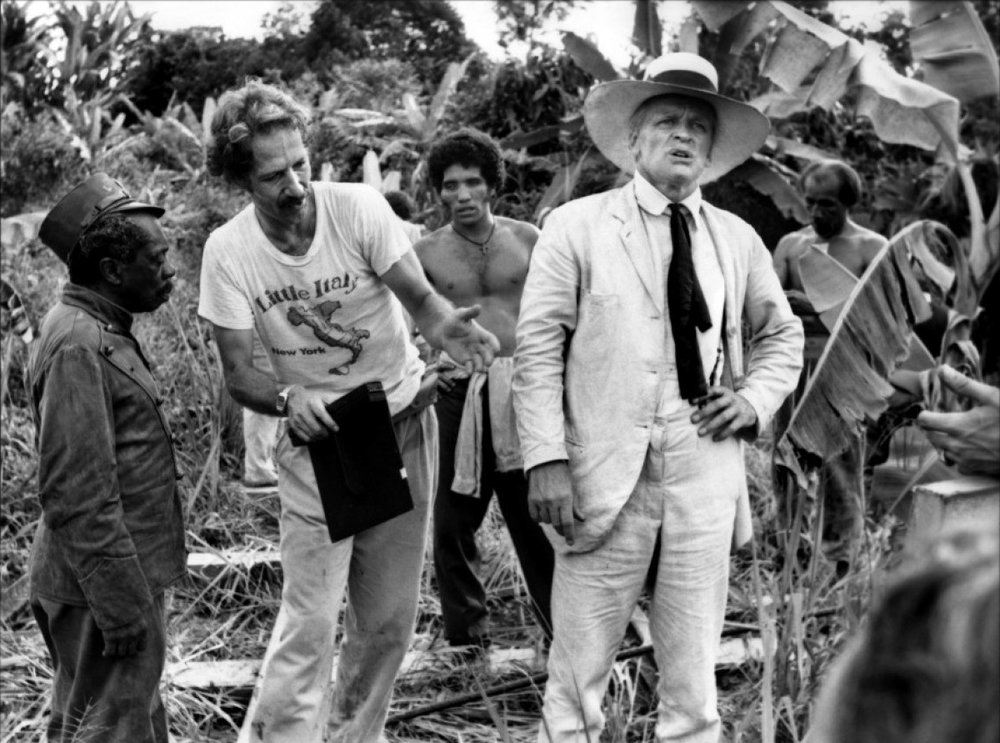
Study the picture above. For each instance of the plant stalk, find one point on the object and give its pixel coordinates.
(534, 680)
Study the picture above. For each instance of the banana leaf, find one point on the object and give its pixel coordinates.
(826, 283)
(447, 86)
(520, 140)
(560, 190)
(869, 340)
(953, 50)
(944, 263)
(984, 258)
(902, 110)
(794, 148)
(647, 33)
(777, 104)
(687, 36)
(763, 174)
(17, 230)
(371, 173)
(588, 57)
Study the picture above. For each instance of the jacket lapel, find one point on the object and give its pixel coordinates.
(732, 312)
(636, 245)
(725, 257)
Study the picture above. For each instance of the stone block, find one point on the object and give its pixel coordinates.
(968, 500)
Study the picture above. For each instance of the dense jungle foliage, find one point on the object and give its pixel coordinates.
(94, 87)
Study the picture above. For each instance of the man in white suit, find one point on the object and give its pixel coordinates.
(632, 396)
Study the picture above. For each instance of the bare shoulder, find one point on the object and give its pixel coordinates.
(868, 241)
(433, 242)
(875, 240)
(794, 243)
(523, 232)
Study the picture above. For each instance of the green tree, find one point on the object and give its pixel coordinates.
(25, 52)
(195, 63)
(102, 47)
(288, 21)
(527, 96)
(429, 34)
(522, 20)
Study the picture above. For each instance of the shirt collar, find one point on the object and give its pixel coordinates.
(654, 202)
(100, 307)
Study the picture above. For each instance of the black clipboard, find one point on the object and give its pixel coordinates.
(359, 470)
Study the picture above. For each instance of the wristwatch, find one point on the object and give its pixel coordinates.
(281, 404)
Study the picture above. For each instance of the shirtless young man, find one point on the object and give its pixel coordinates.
(482, 258)
(830, 189)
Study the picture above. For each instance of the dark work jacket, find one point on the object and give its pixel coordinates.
(111, 534)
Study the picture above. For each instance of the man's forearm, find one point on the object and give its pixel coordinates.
(253, 389)
(430, 315)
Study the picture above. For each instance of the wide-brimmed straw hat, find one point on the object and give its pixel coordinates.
(97, 197)
(740, 129)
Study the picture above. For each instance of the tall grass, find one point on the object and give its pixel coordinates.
(782, 590)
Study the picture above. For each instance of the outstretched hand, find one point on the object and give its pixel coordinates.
(467, 342)
(971, 438)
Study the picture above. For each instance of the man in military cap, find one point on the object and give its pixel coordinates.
(111, 536)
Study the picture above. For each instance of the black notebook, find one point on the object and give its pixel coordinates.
(359, 471)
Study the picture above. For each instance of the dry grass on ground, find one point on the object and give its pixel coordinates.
(781, 591)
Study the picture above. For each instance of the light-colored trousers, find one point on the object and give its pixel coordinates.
(260, 433)
(380, 571)
(685, 498)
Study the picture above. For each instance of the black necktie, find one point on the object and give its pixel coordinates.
(688, 309)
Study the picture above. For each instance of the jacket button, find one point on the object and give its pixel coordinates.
(107, 350)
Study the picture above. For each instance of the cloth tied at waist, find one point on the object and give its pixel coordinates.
(506, 445)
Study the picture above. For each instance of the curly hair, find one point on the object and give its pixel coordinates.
(401, 204)
(114, 236)
(850, 190)
(926, 668)
(256, 108)
(469, 148)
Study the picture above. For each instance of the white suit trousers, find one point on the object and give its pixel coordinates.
(685, 498)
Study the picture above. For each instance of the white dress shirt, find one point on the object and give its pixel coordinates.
(656, 221)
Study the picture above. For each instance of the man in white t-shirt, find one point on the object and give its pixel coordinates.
(322, 272)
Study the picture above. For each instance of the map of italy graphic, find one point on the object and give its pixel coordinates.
(332, 334)
(299, 311)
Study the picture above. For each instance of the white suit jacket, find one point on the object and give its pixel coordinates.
(591, 340)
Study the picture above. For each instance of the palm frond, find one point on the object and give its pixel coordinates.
(869, 340)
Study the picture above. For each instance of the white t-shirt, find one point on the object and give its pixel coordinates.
(325, 318)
